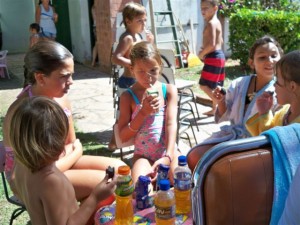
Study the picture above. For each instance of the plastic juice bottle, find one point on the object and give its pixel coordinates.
(124, 190)
(182, 186)
(162, 173)
(142, 191)
(164, 202)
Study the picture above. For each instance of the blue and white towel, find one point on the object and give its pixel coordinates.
(285, 143)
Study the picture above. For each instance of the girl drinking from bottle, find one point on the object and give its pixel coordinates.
(149, 118)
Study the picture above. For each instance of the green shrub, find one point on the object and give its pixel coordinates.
(228, 7)
(247, 25)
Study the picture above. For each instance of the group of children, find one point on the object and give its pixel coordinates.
(49, 154)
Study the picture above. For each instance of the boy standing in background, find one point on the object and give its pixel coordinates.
(213, 73)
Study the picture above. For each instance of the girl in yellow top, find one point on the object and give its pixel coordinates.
(287, 87)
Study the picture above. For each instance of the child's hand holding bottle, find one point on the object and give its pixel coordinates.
(105, 188)
(219, 94)
(149, 35)
(151, 101)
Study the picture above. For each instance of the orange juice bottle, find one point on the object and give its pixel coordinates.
(164, 202)
(182, 186)
(124, 190)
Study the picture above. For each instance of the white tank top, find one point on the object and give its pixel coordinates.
(47, 22)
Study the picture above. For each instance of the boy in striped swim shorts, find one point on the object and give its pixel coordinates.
(213, 73)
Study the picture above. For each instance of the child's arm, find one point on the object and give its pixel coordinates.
(127, 127)
(55, 16)
(209, 40)
(219, 95)
(60, 207)
(73, 147)
(73, 153)
(119, 56)
(87, 208)
(38, 14)
(170, 123)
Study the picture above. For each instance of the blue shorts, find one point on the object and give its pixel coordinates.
(125, 82)
(48, 34)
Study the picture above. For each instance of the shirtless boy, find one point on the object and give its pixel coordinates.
(134, 19)
(213, 73)
(39, 128)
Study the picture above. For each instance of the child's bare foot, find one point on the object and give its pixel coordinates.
(210, 113)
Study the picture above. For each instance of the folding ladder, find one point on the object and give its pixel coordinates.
(168, 16)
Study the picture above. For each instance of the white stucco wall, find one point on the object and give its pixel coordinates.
(15, 18)
(185, 11)
(80, 30)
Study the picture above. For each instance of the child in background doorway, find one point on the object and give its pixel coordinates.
(287, 87)
(35, 36)
(48, 195)
(151, 120)
(213, 73)
(134, 19)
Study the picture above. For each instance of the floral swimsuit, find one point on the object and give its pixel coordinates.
(150, 141)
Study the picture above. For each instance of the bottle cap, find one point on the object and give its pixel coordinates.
(144, 179)
(164, 167)
(123, 170)
(164, 185)
(182, 160)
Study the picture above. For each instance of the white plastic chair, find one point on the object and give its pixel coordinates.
(3, 64)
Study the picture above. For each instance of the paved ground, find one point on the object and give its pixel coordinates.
(91, 97)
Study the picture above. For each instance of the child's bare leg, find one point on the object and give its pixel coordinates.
(88, 172)
(141, 166)
(95, 53)
(196, 153)
(97, 162)
(209, 92)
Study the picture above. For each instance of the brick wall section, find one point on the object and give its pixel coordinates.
(106, 11)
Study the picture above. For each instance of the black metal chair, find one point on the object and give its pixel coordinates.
(186, 97)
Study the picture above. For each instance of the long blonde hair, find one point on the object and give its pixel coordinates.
(38, 130)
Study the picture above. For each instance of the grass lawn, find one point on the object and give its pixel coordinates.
(93, 146)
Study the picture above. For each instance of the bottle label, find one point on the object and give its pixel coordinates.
(165, 213)
(125, 186)
(182, 181)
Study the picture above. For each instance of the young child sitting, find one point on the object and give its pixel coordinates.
(150, 119)
(35, 36)
(287, 87)
(39, 128)
(134, 19)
